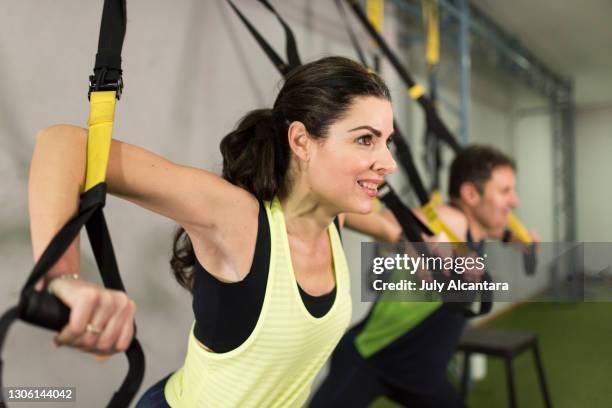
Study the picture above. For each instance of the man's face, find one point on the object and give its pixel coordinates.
(491, 208)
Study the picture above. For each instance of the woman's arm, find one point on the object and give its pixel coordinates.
(203, 203)
(198, 200)
(57, 174)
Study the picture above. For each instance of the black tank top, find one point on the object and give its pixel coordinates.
(226, 313)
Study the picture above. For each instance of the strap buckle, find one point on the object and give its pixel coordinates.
(105, 79)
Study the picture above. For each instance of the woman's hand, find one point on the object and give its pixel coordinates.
(101, 320)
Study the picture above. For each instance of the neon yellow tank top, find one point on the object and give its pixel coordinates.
(276, 365)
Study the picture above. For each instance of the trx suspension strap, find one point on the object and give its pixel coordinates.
(293, 59)
(43, 309)
(412, 228)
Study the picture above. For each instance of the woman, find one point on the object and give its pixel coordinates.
(258, 248)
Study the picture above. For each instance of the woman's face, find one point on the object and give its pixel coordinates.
(346, 167)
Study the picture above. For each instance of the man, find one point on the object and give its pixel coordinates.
(401, 349)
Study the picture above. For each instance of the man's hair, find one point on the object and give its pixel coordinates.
(474, 164)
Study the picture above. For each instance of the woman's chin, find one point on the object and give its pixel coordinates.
(363, 207)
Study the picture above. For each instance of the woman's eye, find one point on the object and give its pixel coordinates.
(365, 140)
(389, 141)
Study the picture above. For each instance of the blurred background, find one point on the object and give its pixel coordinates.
(533, 78)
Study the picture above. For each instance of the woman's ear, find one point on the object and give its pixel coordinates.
(299, 141)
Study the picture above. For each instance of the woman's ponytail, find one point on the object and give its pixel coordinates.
(253, 155)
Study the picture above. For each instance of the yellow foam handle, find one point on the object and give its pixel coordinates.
(518, 229)
(101, 117)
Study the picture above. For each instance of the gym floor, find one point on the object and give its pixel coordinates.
(575, 344)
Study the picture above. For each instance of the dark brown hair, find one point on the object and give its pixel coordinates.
(256, 155)
(474, 164)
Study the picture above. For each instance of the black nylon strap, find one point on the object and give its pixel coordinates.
(351, 34)
(530, 259)
(293, 59)
(406, 160)
(6, 321)
(112, 32)
(107, 72)
(101, 244)
(412, 226)
(433, 154)
(99, 237)
(433, 159)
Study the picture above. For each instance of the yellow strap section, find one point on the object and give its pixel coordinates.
(376, 206)
(518, 229)
(375, 10)
(416, 92)
(430, 16)
(435, 224)
(436, 198)
(101, 116)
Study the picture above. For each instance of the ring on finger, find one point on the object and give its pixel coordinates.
(93, 329)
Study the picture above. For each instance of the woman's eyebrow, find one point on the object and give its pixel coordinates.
(370, 128)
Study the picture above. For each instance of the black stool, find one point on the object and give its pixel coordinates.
(504, 344)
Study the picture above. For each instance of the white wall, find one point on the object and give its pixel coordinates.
(594, 170)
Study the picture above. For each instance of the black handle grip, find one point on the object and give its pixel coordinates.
(44, 310)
